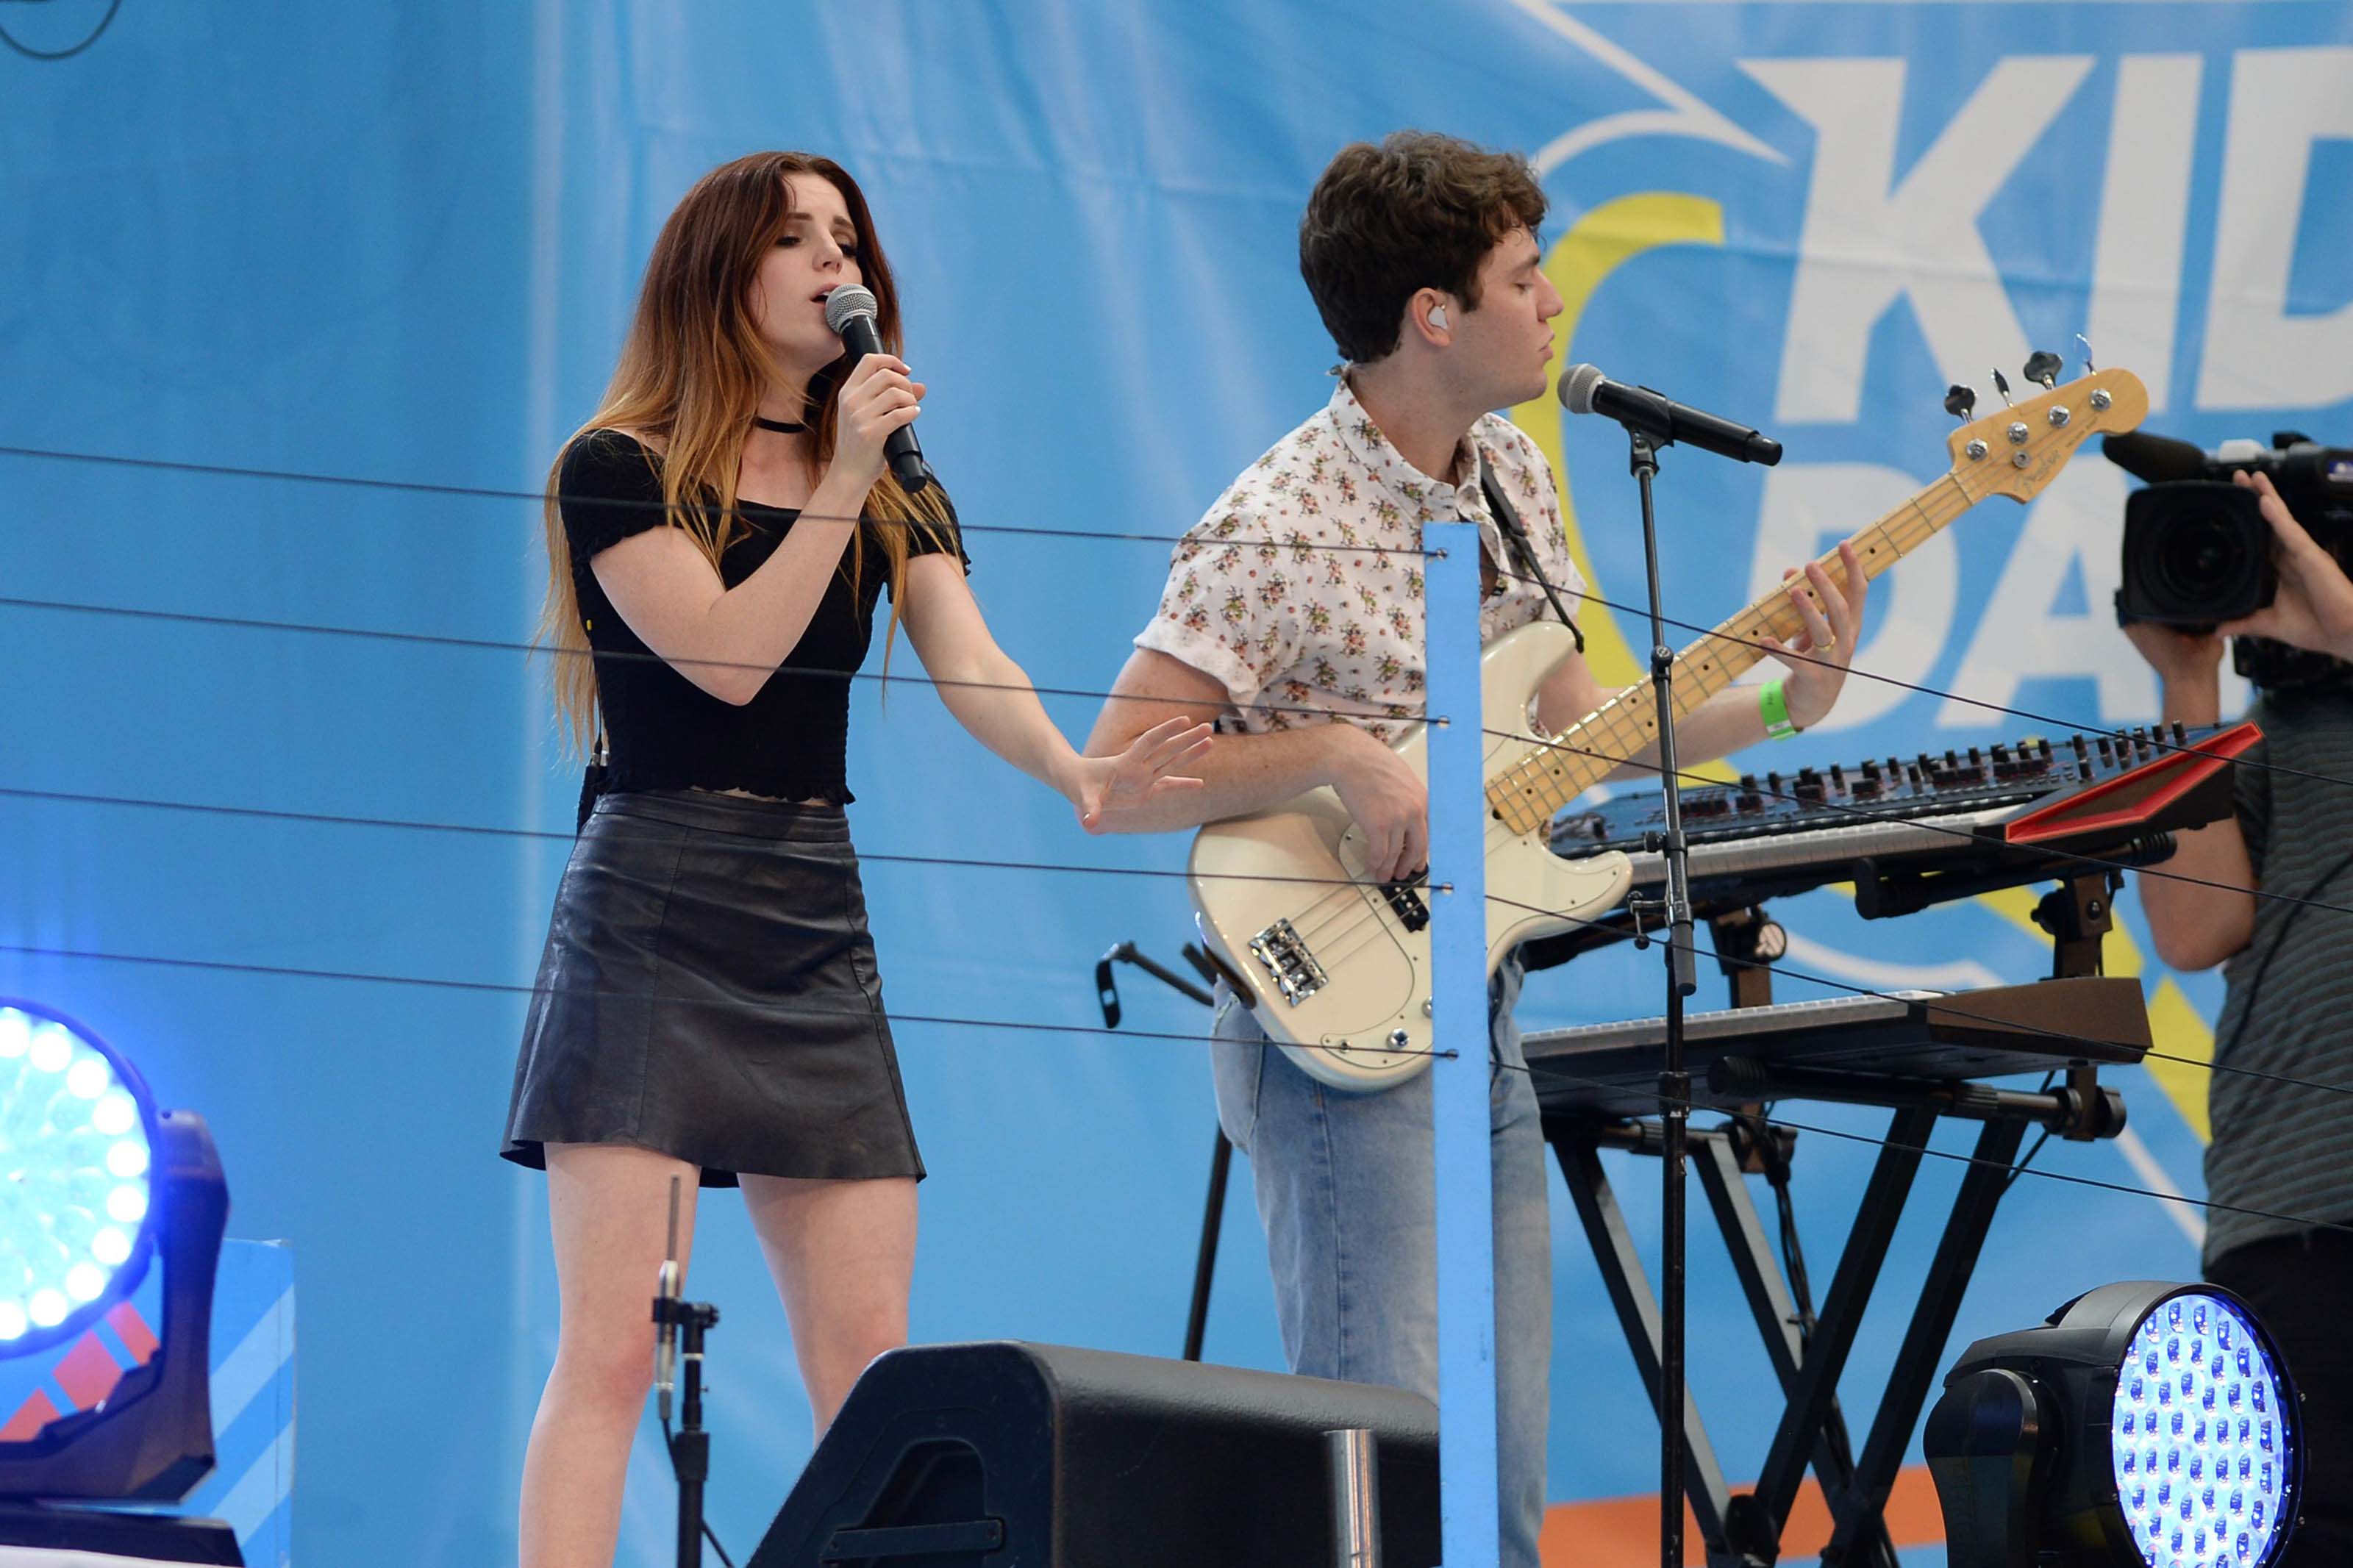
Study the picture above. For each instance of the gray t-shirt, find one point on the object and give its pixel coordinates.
(2278, 1146)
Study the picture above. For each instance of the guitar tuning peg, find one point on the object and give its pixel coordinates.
(2088, 365)
(2044, 366)
(1959, 401)
(2001, 384)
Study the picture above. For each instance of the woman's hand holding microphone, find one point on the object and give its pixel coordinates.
(879, 398)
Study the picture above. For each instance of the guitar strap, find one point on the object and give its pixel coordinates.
(1516, 539)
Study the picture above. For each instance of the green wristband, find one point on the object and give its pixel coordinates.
(1776, 709)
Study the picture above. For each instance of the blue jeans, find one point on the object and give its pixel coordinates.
(1345, 1190)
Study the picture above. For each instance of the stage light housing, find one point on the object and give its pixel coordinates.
(77, 1220)
(98, 1185)
(2143, 1423)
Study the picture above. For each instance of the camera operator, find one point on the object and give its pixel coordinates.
(2279, 1146)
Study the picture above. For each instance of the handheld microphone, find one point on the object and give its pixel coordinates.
(666, 1298)
(850, 311)
(1585, 390)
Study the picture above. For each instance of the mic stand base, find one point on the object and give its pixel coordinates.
(1674, 1081)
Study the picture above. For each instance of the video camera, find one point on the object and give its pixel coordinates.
(2198, 552)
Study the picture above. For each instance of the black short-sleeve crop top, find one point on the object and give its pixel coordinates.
(663, 732)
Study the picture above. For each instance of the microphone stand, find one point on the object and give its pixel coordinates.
(1674, 1082)
(690, 1446)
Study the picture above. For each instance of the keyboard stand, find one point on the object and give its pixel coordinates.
(1744, 1530)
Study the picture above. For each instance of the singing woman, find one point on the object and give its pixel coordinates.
(719, 535)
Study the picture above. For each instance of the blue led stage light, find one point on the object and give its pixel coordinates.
(2143, 1423)
(98, 1185)
(77, 1220)
(2201, 1438)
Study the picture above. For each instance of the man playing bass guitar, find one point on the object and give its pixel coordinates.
(1294, 608)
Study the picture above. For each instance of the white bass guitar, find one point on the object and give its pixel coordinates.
(1336, 967)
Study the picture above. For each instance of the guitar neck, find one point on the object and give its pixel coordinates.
(1528, 795)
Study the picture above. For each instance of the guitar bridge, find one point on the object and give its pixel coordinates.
(1285, 958)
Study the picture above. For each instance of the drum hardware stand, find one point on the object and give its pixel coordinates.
(1221, 1153)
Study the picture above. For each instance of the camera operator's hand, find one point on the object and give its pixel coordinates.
(2188, 664)
(2314, 607)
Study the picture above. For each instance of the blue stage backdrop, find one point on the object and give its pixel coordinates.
(398, 243)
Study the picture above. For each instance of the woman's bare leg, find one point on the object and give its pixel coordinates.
(843, 1253)
(609, 1208)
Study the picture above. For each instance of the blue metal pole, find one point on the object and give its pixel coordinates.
(1465, 1210)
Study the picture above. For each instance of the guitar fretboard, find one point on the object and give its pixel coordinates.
(1527, 794)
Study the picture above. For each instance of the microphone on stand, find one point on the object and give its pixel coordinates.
(666, 1299)
(1585, 390)
(850, 311)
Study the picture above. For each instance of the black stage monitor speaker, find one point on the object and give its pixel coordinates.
(1021, 1455)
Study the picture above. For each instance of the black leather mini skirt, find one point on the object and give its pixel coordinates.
(709, 989)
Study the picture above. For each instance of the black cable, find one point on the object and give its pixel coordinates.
(490, 645)
(476, 491)
(1534, 1071)
(47, 56)
(552, 835)
(497, 987)
(1386, 715)
(490, 493)
(432, 640)
(482, 643)
(1555, 1073)
(2040, 1139)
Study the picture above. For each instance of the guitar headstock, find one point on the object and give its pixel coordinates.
(2018, 451)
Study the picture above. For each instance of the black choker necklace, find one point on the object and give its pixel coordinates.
(780, 427)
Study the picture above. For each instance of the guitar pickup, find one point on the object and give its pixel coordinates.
(1407, 902)
(1288, 962)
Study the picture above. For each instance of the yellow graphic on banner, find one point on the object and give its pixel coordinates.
(2181, 1033)
(2175, 1026)
(1594, 248)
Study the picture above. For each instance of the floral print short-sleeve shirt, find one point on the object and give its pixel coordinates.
(1301, 590)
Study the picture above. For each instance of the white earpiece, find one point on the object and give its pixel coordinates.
(1438, 317)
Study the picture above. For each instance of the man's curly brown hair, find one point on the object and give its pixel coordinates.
(1420, 210)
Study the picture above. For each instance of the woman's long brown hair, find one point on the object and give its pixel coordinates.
(691, 376)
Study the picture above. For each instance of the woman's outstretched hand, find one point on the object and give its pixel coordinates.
(1108, 791)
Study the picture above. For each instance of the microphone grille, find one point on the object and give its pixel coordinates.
(1577, 383)
(846, 301)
